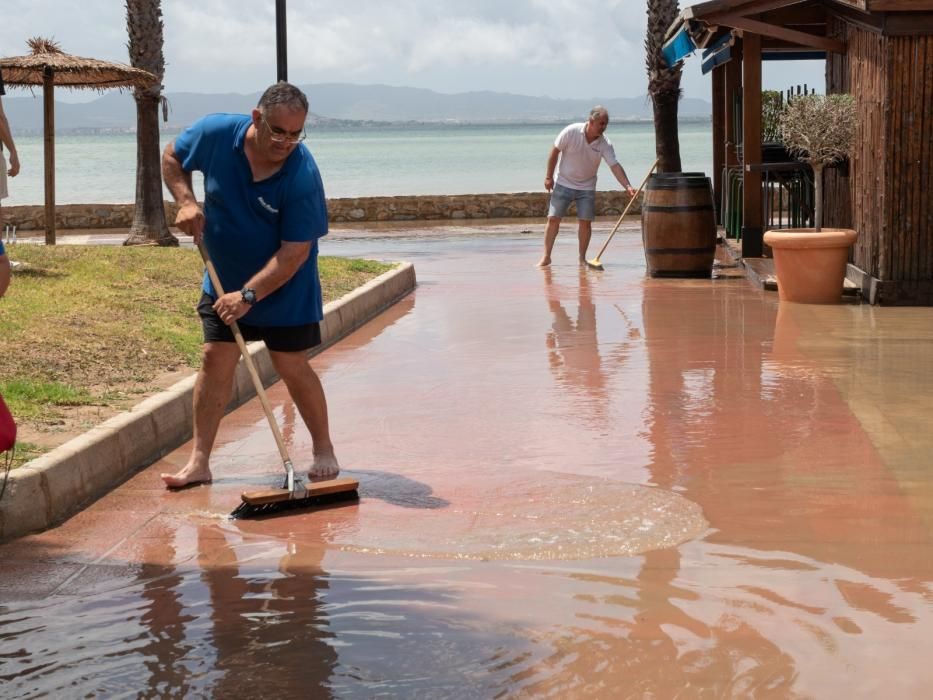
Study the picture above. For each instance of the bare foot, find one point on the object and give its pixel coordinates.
(544, 262)
(188, 476)
(325, 466)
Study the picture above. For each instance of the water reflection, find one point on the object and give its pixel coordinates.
(165, 619)
(752, 429)
(245, 622)
(704, 381)
(573, 350)
(573, 346)
(656, 634)
(268, 632)
(769, 425)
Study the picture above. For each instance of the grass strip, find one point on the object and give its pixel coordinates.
(94, 326)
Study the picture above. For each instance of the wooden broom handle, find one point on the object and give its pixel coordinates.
(627, 207)
(244, 351)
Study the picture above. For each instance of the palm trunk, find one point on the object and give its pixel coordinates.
(149, 223)
(144, 27)
(667, 139)
(663, 85)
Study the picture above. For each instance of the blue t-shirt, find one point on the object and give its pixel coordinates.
(246, 222)
(2, 249)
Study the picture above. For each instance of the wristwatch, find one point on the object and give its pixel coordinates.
(249, 295)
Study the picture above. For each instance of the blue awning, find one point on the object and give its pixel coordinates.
(718, 53)
(717, 59)
(678, 47)
(727, 39)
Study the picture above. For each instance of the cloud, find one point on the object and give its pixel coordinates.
(207, 36)
(96, 31)
(414, 39)
(561, 48)
(471, 42)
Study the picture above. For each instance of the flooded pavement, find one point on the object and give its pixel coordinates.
(574, 484)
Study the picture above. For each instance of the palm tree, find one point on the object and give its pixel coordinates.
(144, 27)
(663, 85)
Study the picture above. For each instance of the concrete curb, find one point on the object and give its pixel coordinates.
(52, 487)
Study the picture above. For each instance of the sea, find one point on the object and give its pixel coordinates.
(365, 161)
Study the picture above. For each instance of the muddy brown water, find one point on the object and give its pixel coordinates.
(574, 484)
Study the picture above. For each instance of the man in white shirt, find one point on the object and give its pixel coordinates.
(579, 148)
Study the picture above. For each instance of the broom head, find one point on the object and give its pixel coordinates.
(310, 495)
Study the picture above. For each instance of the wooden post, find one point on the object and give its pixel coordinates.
(719, 137)
(752, 225)
(48, 98)
(732, 79)
(732, 88)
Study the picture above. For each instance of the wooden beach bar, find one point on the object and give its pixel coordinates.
(879, 51)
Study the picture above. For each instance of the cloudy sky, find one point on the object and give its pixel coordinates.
(557, 48)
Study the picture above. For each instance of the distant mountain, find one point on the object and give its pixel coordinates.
(340, 102)
(385, 103)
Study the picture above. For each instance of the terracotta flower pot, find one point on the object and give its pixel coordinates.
(810, 265)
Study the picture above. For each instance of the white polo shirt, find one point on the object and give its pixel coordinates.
(579, 160)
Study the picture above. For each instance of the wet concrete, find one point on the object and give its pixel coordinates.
(574, 484)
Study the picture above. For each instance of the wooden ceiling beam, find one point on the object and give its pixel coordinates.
(704, 11)
(798, 14)
(776, 32)
(756, 7)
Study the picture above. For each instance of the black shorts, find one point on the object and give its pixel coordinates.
(276, 338)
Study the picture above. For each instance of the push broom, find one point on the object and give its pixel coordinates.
(595, 262)
(293, 494)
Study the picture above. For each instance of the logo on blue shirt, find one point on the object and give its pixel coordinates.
(268, 207)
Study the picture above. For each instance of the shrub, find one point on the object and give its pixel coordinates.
(819, 130)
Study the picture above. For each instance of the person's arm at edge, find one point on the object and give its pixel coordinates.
(620, 175)
(551, 165)
(4, 273)
(6, 137)
(190, 217)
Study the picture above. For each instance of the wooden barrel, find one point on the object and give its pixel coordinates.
(679, 225)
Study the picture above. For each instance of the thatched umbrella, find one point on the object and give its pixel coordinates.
(47, 65)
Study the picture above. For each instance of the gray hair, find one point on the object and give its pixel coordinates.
(284, 94)
(599, 111)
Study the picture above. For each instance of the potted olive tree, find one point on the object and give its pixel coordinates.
(810, 263)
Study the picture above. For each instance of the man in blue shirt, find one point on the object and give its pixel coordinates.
(264, 211)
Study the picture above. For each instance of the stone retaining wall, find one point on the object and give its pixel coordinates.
(356, 209)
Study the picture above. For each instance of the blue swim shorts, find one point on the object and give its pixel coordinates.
(561, 197)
